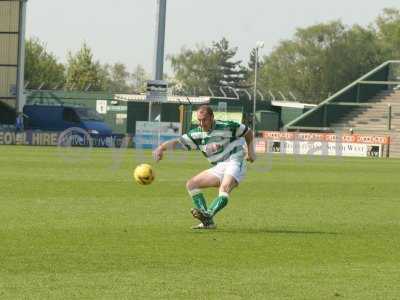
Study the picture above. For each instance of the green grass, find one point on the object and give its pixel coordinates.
(77, 227)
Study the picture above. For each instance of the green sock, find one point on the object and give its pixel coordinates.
(219, 203)
(198, 199)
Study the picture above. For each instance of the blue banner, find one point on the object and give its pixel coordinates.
(66, 138)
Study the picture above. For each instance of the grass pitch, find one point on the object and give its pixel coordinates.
(73, 225)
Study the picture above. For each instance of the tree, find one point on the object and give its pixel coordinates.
(196, 70)
(250, 70)
(229, 71)
(355, 54)
(252, 61)
(118, 78)
(84, 73)
(320, 60)
(42, 67)
(139, 78)
(203, 68)
(388, 32)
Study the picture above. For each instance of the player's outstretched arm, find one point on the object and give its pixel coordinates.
(251, 153)
(159, 151)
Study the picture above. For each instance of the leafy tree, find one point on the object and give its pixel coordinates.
(388, 33)
(320, 60)
(117, 78)
(42, 67)
(196, 70)
(250, 70)
(229, 71)
(85, 73)
(351, 57)
(203, 68)
(139, 78)
(252, 61)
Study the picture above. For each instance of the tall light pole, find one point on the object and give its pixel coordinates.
(159, 40)
(259, 45)
(158, 53)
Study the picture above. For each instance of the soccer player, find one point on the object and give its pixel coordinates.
(224, 143)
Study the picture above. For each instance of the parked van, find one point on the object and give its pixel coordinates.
(59, 118)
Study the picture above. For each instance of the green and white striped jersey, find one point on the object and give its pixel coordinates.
(224, 141)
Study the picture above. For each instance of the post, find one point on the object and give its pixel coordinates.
(255, 90)
(182, 117)
(159, 40)
(389, 119)
(259, 45)
(21, 57)
(158, 67)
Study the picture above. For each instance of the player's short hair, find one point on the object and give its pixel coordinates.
(207, 109)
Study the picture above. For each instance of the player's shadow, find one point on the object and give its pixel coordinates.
(274, 231)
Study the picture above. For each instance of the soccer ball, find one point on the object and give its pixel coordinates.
(144, 174)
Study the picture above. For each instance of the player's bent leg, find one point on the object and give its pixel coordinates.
(204, 179)
(227, 185)
(234, 172)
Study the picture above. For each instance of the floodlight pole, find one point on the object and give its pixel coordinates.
(159, 39)
(21, 57)
(258, 47)
(159, 46)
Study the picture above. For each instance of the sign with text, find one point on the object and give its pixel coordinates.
(319, 148)
(330, 144)
(40, 138)
(157, 91)
(326, 137)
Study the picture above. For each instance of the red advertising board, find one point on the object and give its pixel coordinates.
(327, 137)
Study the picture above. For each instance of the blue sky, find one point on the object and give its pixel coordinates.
(123, 30)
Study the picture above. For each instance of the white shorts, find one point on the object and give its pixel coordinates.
(237, 169)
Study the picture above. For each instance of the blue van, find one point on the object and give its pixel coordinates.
(59, 118)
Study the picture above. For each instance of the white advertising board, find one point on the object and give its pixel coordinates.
(101, 106)
(165, 128)
(151, 134)
(318, 148)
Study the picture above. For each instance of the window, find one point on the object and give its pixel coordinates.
(87, 114)
(69, 115)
